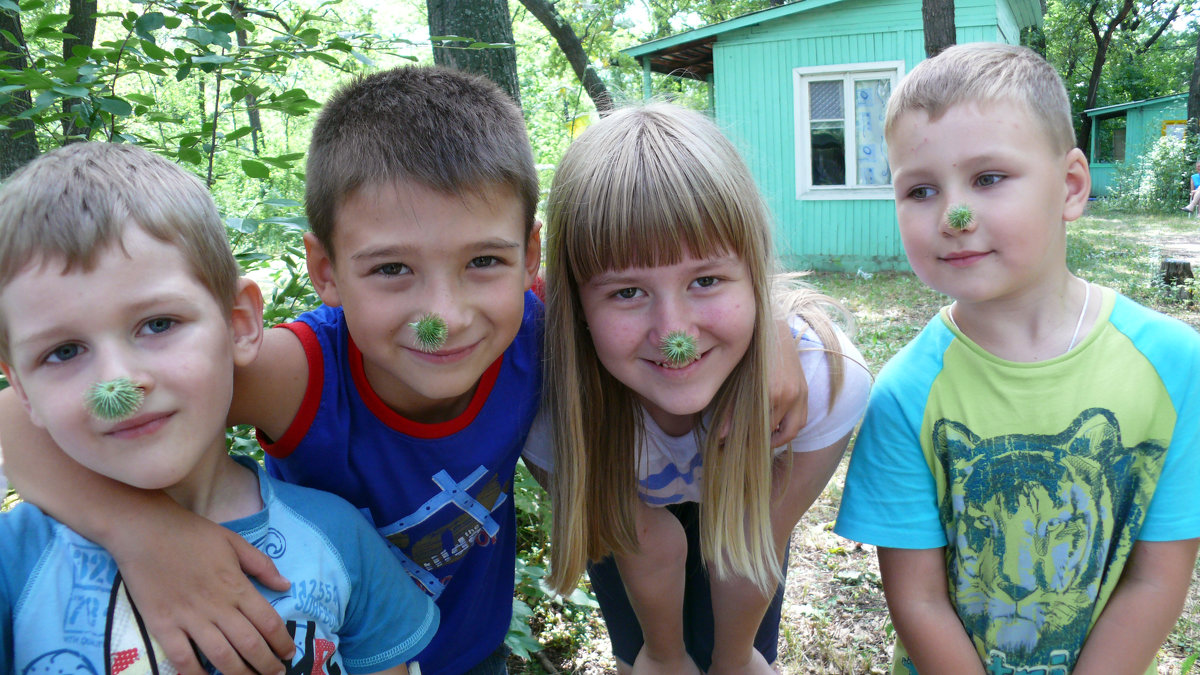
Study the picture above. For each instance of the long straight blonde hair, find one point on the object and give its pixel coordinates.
(643, 188)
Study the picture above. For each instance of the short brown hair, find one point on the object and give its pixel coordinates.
(74, 202)
(983, 72)
(447, 130)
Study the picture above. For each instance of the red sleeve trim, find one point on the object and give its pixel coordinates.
(300, 425)
(404, 425)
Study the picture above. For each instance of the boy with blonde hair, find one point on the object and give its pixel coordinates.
(1026, 462)
(122, 319)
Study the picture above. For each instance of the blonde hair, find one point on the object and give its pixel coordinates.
(643, 188)
(76, 201)
(985, 72)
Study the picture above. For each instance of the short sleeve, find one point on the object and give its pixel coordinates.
(539, 448)
(829, 423)
(890, 497)
(389, 620)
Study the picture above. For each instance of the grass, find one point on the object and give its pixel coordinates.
(834, 619)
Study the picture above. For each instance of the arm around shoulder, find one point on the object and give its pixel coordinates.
(268, 392)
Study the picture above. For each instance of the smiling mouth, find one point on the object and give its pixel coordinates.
(672, 365)
(964, 258)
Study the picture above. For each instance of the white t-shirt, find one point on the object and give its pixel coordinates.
(670, 469)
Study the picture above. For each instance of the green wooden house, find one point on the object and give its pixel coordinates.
(801, 88)
(1125, 131)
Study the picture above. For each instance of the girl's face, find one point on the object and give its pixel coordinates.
(629, 311)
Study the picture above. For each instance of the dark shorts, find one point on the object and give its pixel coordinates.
(623, 627)
(494, 664)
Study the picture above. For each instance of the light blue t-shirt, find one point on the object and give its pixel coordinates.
(351, 607)
(1037, 478)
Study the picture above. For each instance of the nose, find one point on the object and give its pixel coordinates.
(450, 302)
(672, 315)
(958, 218)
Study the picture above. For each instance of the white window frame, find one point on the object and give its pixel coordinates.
(846, 73)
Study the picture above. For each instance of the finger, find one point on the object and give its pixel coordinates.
(786, 430)
(257, 564)
(265, 623)
(260, 655)
(177, 649)
(211, 644)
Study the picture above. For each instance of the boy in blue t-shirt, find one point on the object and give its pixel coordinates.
(1026, 464)
(421, 194)
(122, 319)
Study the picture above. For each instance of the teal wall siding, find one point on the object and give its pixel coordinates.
(754, 103)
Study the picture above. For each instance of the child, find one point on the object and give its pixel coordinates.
(421, 192)
(121, 321)
(1194, 196)
(1027, 463)
(658, 235)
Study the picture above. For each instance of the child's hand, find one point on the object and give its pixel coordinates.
(191, 590)
(681, 665)
(788, 388)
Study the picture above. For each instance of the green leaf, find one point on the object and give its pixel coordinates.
(238, 133)
(9, 6)
(243, 225)
(115, 106)
(143, 99)
(191, 155)
(255, 169)
(221, 22)
(282, 202)
(214, 59)
(74, 92)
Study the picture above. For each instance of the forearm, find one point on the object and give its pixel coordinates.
(915, 587)
(95, 506)
(738, 609)
(1142, 610)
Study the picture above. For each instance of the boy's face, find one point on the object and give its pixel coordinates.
(404, 250)
(139, 314)
(998, 161)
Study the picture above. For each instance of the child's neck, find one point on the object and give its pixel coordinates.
(1037, 326)
(219, 488)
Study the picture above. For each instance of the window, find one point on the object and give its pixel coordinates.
(840, 151)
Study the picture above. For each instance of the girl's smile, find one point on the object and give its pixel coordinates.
(630, 311)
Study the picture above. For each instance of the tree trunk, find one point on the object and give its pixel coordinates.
(18, 144)
(938, 19)
(483, 21)
(238, 10)
(82, 29)
(572, 48)
(1103, 37)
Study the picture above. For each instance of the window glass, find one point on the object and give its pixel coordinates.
(870, 104)
(828, 132)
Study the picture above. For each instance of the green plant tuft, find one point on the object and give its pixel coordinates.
(678, 347)
(115, 400)
(430, 332)
(959, 217)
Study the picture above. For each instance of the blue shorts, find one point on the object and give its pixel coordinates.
(622, 623)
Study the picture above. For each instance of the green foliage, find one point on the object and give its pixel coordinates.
(1157, 182)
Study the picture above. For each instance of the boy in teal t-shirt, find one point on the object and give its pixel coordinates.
(1026, 463)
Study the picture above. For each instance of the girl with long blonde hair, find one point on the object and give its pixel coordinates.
(662, 316)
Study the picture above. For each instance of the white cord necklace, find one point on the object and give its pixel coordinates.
(1087, 296)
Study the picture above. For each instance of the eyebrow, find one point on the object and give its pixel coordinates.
(702, 266)
(58, 330)
(495, 244)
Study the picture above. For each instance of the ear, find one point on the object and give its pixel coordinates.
(533, 254)
(320, 270)
(246, 322)
(20, 392)
(1079, 185)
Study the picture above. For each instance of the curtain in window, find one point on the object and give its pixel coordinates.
(870, 103)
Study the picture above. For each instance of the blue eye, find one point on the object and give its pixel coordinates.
(627, 293)
(921, 192)
(63, 353)
(988, 179)
(160, 325)
(705, 282)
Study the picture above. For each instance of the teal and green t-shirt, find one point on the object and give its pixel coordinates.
(1037, 478)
